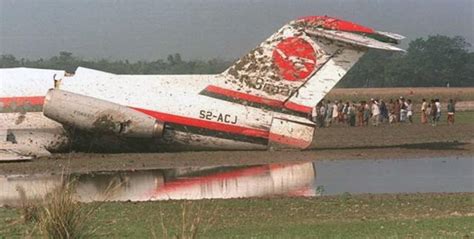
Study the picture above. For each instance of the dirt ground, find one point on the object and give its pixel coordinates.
(338, 142)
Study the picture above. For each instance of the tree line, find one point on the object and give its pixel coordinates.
(435, 61)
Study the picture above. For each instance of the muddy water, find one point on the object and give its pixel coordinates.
(395, 176)
(297, 179)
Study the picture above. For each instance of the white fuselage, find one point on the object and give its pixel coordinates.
(192, 120)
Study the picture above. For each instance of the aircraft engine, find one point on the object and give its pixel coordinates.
(99, 116)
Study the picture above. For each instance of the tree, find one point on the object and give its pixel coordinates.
(431, 61)
(7, 61)
(428, 62)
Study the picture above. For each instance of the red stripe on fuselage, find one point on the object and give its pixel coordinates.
(39, 100)
(257, 99)
(21, 101)
(206, 124)
(243, 96)
(297, 107)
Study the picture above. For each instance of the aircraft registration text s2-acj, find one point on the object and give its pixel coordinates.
(261, 101)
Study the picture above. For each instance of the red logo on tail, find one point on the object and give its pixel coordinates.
(295, 58)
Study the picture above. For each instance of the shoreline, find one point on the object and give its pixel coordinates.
(87, 162)
(407, 141)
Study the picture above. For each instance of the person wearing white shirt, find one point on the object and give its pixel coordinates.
(409, 111)
(375, 113)
(438, 110)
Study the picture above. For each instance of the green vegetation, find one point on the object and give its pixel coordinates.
(60, 216)
(434, 61)
(429, 62)
(364, 216)
(172, 65)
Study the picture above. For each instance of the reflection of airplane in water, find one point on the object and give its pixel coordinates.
(162, 184)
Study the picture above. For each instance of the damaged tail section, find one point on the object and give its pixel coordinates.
(297, 66)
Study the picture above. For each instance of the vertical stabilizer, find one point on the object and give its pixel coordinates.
(295, 67)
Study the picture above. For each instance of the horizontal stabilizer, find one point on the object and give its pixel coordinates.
(357, 39)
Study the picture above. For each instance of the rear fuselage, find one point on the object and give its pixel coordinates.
(193, 120)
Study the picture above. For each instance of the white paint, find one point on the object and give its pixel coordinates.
(27, 81)
(326, 78)
(284, 130)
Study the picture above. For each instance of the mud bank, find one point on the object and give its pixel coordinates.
(339, 142)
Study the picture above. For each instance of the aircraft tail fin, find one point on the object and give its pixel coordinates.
(297, 66)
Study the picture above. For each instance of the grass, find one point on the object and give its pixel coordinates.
(363, 216)
(60, 216)
(57, 216)
(29, 210)
(189, 225)
(464, 117)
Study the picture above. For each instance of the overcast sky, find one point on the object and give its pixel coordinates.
(201, 29)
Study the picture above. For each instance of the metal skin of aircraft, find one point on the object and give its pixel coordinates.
(261, 101)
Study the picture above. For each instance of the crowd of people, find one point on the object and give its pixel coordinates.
(376, 111)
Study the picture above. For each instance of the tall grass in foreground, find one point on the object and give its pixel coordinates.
(61, 216)
(192, 221)
(29, 211)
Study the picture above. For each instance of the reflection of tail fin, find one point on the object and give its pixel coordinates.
(294, 68)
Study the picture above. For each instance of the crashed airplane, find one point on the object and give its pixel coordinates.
(261, 101)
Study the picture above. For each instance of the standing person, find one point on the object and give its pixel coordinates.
(345, 112)
(352, 114)
(375, 113)
(396, 110)
(335, 112)
(322, 115)
(451, 111)
(391, 111)
(383, 111)
(360, 113)
(329, 110)
(366, 113)
(340, 110)
(438, 110)
(433, 112)
(403, 110)
(409, 111)
(424, 108)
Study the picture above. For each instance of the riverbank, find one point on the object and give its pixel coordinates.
(339, 142)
